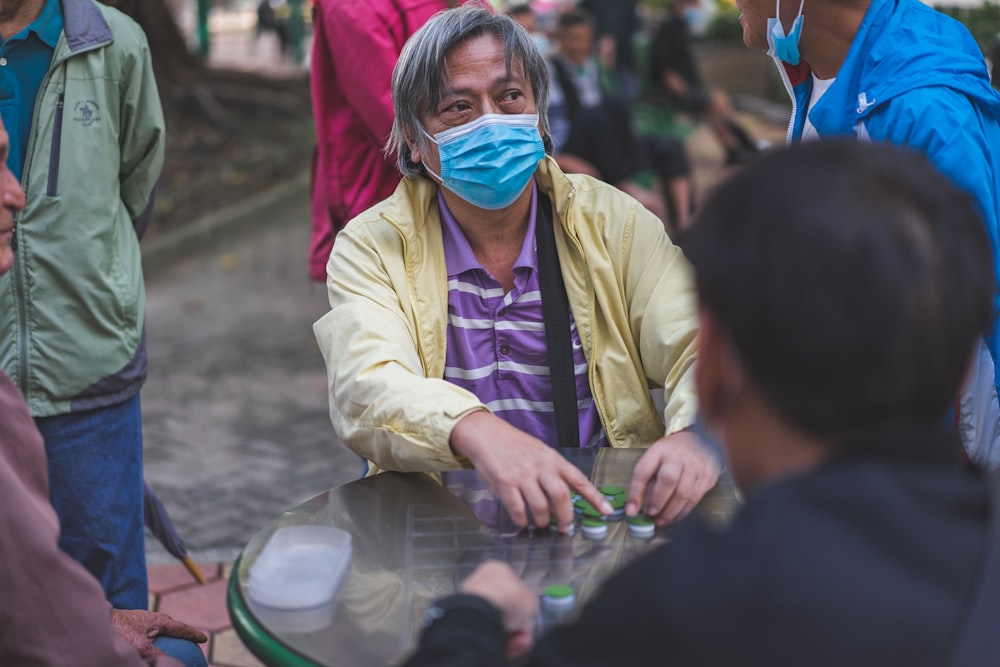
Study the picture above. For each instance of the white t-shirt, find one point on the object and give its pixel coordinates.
(820, 86)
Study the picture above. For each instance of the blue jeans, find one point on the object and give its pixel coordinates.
(95, 484)
(187, 653)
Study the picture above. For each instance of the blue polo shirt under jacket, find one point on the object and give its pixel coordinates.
(24, 61)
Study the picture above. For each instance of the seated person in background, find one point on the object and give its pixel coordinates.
(677, 83)
(52, 611)
(592, 131)
(436, 344)
(834, 338)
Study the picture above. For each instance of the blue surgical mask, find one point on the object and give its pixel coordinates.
(784, 47)
(490, 161)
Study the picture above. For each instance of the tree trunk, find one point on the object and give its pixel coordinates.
(174, 64)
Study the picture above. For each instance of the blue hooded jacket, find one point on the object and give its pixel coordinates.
(915, 77)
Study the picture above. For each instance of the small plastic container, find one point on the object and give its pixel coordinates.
(300, 567)
(594, 529)
(641, 526)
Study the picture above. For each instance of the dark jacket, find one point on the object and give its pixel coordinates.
(861, 562)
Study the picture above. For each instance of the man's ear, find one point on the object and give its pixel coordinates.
(415, 155)
(717, 365)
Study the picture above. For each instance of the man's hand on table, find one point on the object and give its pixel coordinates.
(496, 582)
(671, 477)
(139, 627)
(522, 471)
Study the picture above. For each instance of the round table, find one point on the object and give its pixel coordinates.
(414, 539)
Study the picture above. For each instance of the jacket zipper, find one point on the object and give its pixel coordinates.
(22, 318)
(791, 95)
(55, 150)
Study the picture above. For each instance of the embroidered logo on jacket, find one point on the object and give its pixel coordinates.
(87, 112)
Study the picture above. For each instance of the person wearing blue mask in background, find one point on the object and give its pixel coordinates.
(900, 72)
(676, 82)
(439, 353)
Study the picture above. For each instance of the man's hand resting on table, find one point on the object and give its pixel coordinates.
(671, 478)
(140, 627)
(496, 582)
(526, 475)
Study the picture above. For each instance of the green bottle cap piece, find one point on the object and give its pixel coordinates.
(618, 502)
(612, 490)
(592, 513)
(593, 523)
(641, 520)
(558, 591)
(582, 504)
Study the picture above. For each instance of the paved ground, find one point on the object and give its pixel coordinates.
(235, 410)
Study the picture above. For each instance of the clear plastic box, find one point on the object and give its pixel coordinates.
(300, 567)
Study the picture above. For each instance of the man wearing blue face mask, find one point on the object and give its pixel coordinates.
(446, 346)
(900, 72)
(676, 82)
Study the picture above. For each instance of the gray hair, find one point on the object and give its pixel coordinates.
(421, 73)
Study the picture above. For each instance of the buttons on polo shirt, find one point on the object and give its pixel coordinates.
(504, 349)
(3, 62)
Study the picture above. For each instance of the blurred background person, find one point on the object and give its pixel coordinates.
(616, 22)
(526, 16)
(592, 130)
(676, 82)
(355, 47)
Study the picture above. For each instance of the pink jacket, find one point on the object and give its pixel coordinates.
(355, 47)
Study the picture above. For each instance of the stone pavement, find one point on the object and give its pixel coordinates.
(235, 410)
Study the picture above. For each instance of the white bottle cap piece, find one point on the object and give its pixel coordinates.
(300, 567)
(558, 596)
(595, 529)
(641, 526)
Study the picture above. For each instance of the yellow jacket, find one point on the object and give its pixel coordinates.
(630, 290)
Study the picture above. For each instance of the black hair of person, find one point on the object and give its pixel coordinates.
(853, 280)
(523, 9)
(575, 17)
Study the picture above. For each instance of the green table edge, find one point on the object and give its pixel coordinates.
(263, 646)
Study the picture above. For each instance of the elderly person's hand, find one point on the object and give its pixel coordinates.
(671, 477)
(497, 583)
(522, 471)
(139, 627)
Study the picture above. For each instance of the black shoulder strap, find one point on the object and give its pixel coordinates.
(977, 642)
(555, 311)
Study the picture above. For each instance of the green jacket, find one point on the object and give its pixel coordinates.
(72, 308)
(630, 289)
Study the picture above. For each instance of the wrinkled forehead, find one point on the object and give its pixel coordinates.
(457, 64)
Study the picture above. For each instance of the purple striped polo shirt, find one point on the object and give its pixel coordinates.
(496, 342)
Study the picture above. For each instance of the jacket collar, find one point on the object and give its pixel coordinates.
(84, 25)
